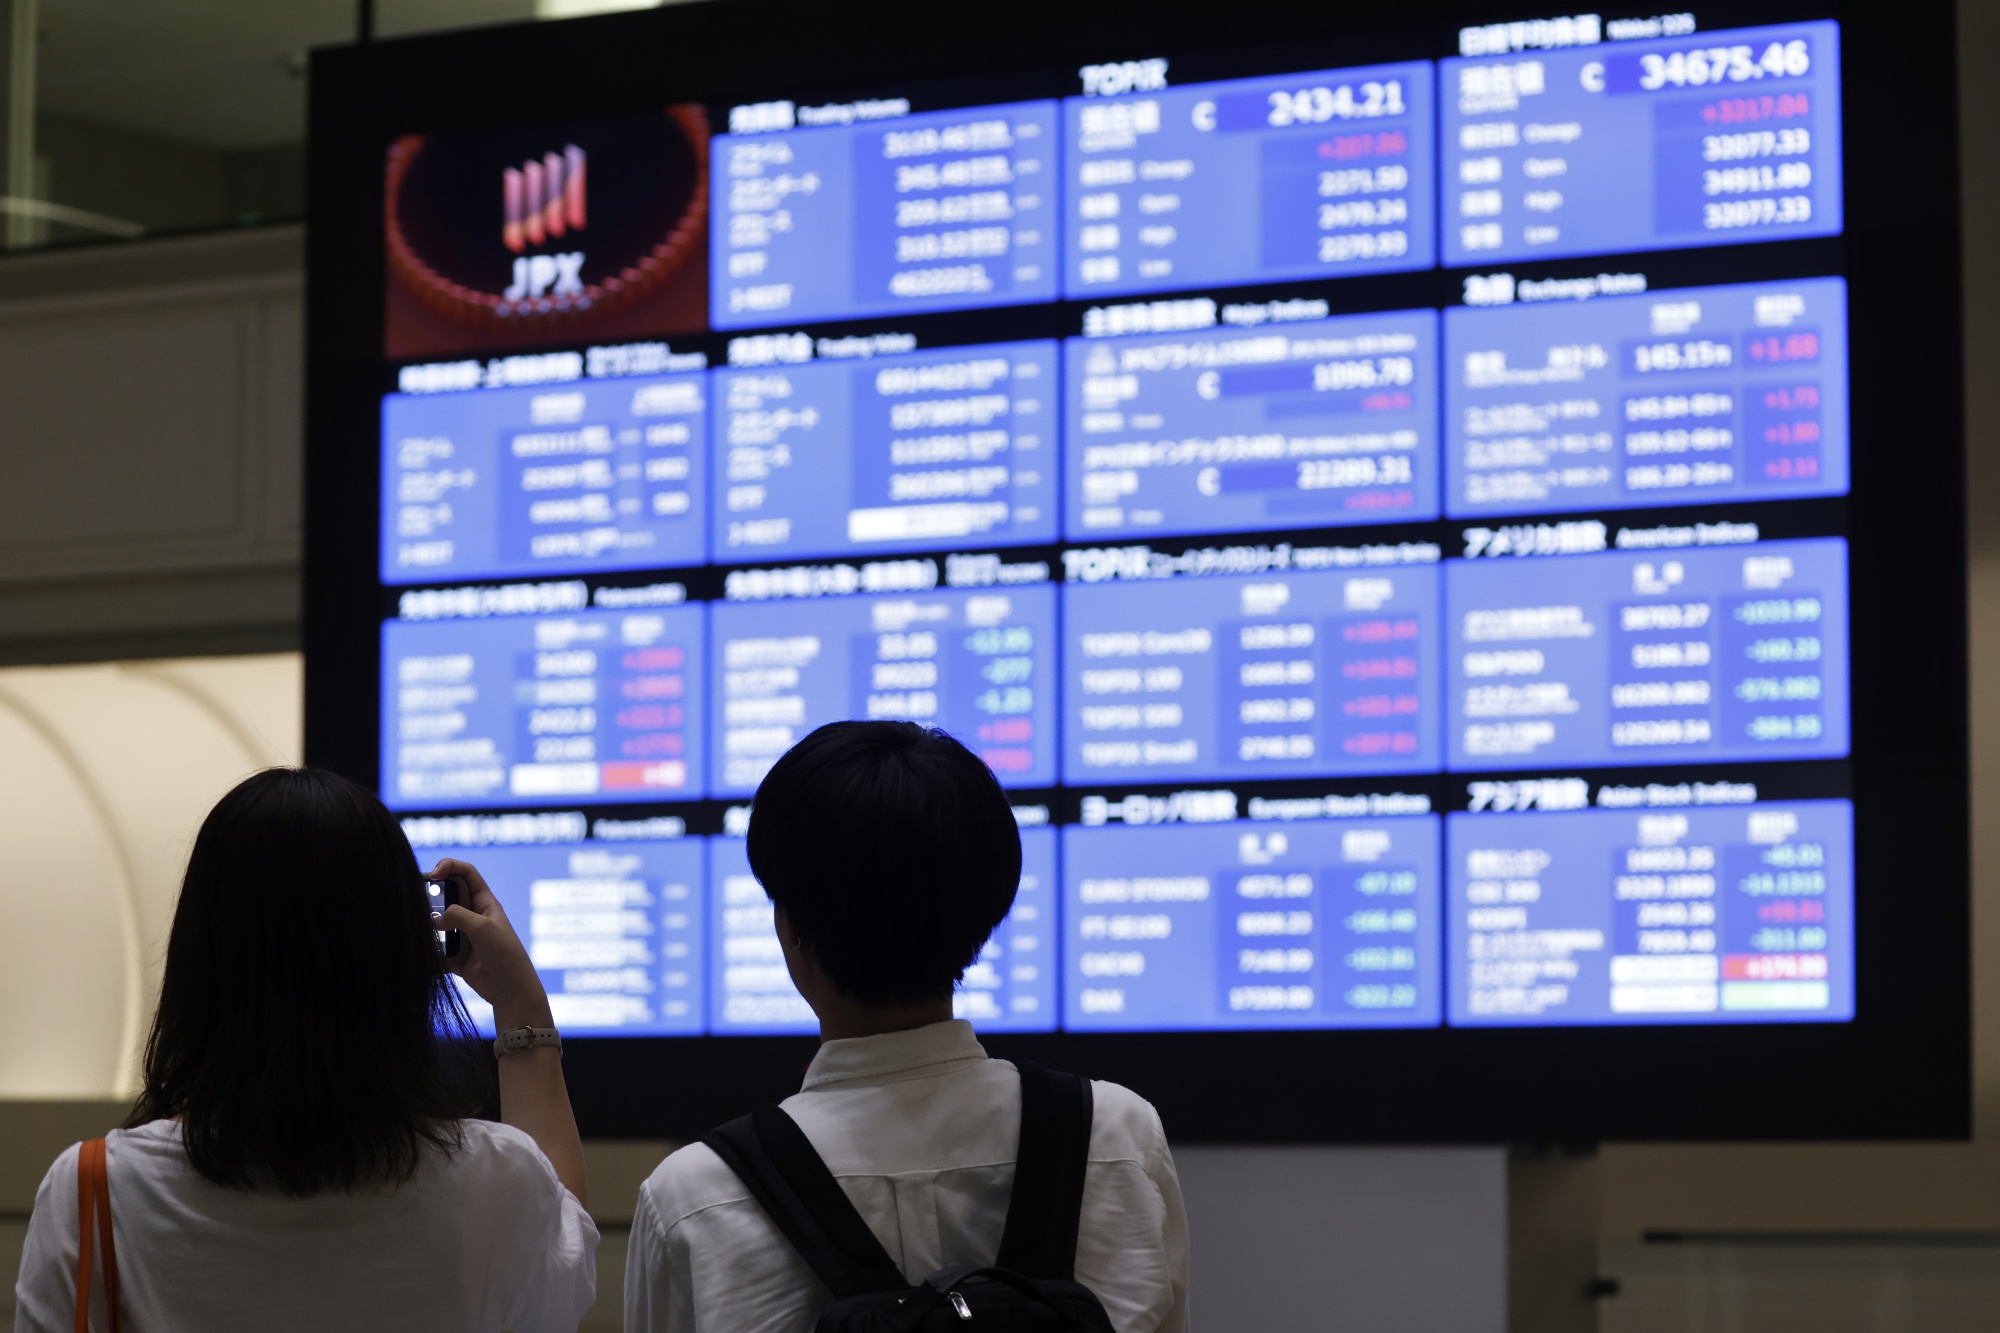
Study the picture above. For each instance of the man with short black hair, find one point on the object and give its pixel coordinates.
(890, 854)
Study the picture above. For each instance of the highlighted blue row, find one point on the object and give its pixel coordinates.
(1588, 916)
(1589, 661)
(843, 212)
(1695, 395)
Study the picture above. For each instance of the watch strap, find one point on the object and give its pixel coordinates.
(521, 1039)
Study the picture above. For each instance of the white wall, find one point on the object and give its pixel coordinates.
(1347, 1240)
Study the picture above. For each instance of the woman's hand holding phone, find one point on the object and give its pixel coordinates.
(493, 962)
(491, 957)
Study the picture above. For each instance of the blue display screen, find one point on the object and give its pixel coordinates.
(1613, 916)
(1629, 659)
(1692, 395)
(901, 453)
(935, 211)
(512, 482)
(1713, 139)
(1698, 394)
(1304, 675)
(1380, 513)
(615, 928)
(981, 665)
(595, 705)
(1313, 175)
(1241, 926)
(1301, 425)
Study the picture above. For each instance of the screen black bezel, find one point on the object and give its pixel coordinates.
(1902, 1069)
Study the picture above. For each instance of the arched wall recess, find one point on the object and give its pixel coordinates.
(65, 936)
(144, 750)
(256, 698)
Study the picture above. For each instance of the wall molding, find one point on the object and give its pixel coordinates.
(154, 455)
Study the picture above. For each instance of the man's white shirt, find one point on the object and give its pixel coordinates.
(920, 1128)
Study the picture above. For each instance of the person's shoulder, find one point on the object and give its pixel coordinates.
(690, 1180)
(489, 1140)
(62, 1171)
(1123, 1124)
(137, 1149)
(154, 1148)
(131, 1148)
(502, 1156)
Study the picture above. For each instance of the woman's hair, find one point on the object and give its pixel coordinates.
(308, 1038)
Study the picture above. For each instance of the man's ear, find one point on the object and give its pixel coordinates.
(799, 961)
(797, 955)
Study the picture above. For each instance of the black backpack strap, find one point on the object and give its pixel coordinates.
(775, 1160)
(1046, 1209)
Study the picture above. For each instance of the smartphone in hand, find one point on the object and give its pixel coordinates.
(445, 893)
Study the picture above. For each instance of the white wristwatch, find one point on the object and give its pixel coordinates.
(520, 1039)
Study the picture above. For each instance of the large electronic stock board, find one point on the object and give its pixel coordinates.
(1391, 509)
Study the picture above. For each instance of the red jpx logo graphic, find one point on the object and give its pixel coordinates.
(544, 202)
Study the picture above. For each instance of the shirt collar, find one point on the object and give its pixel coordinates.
(895, 1057)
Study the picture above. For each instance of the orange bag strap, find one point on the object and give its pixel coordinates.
(93, 1204)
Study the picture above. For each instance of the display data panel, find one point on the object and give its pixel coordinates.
(1615, 659)
(519, 710)
(1380, 511)
(499, 483)
(1240, 925)
(1714, 138)
(1293, 675)
(1310, 424)
(612, 913)
(1319, 174)
(1011, 987)
(899, 452)
(852, 209)
(1731, 913)
(980, 664)
(1686, 396)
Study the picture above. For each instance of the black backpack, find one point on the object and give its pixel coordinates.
(1031, 1286)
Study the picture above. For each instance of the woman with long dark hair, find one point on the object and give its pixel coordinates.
(302, 1156)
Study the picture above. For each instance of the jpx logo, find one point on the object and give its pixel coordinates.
(544, 201)
(1126, 76)
(550, 275)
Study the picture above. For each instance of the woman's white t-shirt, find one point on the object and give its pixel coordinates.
(483, 1241)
